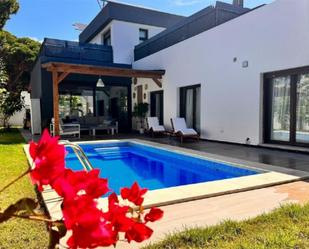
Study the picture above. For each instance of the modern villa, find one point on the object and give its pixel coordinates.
(236, 75)
(233, 80)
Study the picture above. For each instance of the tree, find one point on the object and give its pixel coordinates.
(9, 104)
(16, 58)
(7, 8)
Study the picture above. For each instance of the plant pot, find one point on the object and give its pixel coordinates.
(141, 131)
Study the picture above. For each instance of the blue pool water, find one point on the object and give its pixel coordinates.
(123, 163)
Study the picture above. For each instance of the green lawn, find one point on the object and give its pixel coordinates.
(285, 228)
(17, 233)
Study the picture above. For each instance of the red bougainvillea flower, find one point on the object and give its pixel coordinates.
(82, 210)
(117, 214)
(154, 215)
(134, 194)
(101, 236)
(139, 232)
(70, 184)
(87, 223)
(48, 157)
(90, 226)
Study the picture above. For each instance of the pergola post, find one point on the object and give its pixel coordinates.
(56, 103)
(57, 78)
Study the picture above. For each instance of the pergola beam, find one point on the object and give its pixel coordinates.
(62, 76)
(158, 82)
(102, 71)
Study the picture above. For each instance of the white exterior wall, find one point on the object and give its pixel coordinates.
(124, 37)
(18, 118)
(273, 37)
(151, 87)
(35, 116)
(98, 38)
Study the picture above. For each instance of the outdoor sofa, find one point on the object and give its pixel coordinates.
(93, 124)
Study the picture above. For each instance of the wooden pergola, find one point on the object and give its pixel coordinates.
(61, 70)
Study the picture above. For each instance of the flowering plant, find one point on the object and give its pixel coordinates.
(89, 226)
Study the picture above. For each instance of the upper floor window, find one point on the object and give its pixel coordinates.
(143, 35)
(106, 38)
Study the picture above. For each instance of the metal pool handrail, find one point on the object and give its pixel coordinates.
(80, 155)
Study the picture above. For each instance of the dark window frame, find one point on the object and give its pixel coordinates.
(146, 32)
(267, 105)
(152, 108)
(106, 36)
(183, 102)
(139, 97)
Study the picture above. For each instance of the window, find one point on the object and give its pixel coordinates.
(287, 107)
(190, 106)
(139, 94)
(156, 105)
(143, 35)
(106, 38)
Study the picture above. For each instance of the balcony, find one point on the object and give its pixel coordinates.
(75, 52)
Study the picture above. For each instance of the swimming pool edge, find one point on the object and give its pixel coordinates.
(189, 192)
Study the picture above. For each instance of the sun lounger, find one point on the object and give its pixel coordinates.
(180, 129)
(154, 127)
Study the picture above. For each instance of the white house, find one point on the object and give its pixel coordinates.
(234, 72)
(237, 75)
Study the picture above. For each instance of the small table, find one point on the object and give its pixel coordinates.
(109, 129)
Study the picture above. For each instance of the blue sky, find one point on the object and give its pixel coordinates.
(54, 18)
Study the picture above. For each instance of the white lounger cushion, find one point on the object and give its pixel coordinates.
(188, 132)
(181, 126)
(153, 123)
(158, 128)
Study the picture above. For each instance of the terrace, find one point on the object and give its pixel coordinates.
(239, 203)
(221, 132)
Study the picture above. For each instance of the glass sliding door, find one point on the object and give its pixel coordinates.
(280, 115)
(112, 104)
(156, 105)
(190, 106)
(76, 103)
(287, 107)
(109, 103)
(198, 109)
(302, 109)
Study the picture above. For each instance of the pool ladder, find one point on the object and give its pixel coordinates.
(80, 155)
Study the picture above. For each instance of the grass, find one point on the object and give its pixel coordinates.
(17, 233)
(284, 228)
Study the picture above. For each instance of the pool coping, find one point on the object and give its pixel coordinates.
(270, 175)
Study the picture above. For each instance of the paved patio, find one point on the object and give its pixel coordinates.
(211, 211)
(286, 159)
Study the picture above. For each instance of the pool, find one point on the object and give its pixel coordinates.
(154, 168)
